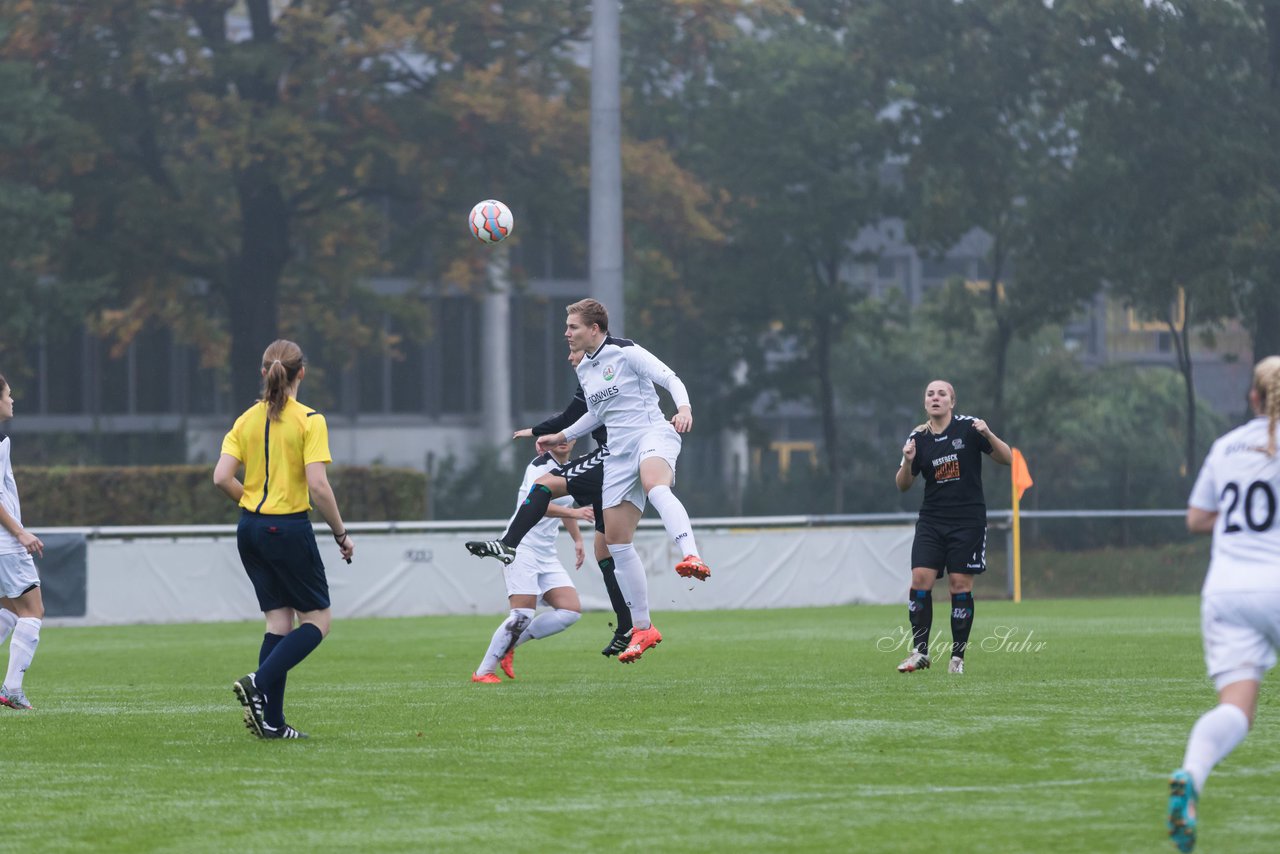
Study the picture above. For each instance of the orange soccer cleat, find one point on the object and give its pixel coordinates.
(693, 567)
(486, 678)
(508, 664)
(641, 640)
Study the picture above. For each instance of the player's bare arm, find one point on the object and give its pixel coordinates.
(1000, 451)
(324, 501)
(583, 514)
(545, 443)
(1201, 521)
(683, 419)
(29, 541)
(903, 477)
(224, 477)
(579, 548)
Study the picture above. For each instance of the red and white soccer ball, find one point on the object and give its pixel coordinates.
(491, 221)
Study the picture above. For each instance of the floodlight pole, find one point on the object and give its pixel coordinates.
(606, 163)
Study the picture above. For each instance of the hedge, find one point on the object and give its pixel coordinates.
(91, 496)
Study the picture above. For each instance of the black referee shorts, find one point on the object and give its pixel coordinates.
(584, 478)
(281, 558)
(948, 547)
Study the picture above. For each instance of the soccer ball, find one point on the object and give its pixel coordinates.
(491, 221)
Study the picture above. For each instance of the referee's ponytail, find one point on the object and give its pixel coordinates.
(280, 365)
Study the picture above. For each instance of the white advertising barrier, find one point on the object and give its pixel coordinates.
(199, 578)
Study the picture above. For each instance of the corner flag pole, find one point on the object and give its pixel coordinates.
(1017, 547)
(1020, 478)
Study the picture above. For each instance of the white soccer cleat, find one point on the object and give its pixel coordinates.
(956, 665)
(913, 662)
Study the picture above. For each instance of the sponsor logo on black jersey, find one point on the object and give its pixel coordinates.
(611, 391)
(957, 444)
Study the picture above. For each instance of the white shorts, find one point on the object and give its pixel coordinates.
(17, 575)
(531, 574)
(622, 466)
(1241, 635)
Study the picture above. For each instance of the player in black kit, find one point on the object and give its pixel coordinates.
(583, 478)
(951, 532)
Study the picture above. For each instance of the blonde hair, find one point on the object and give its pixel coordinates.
(1266, 382)
(281, 361)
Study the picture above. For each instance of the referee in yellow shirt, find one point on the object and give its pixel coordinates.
(284, 447)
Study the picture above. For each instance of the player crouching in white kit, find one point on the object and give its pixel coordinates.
(617, 379)
(537, 571)
(1235, 498)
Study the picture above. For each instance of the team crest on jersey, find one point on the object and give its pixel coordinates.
(608, 373)
(957, 443)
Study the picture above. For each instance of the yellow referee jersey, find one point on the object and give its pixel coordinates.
(275, 455)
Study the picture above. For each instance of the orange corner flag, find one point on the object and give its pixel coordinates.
(1021, 476)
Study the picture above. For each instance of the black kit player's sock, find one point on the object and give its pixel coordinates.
(619, 602)
(530, 513)
(920, 610)
(287, 654)
(961, 622)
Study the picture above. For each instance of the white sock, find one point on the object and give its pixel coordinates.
(22, 648)
(1213, 737)
(548, 623)
(8, 620)
(504, 638)
(629, 571)
(675, 518)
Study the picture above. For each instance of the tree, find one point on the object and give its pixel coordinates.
(1162, 152)
(224, 143)
(985, 124)
(33, 214)
(806, 102)
(1256, 248)
(1111, 439)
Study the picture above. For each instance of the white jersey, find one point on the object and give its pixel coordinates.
(9, 544)
(541, 539)
(617, 381)
(1240, 483)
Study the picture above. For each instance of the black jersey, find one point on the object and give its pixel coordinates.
(951, 462)
(575, 410)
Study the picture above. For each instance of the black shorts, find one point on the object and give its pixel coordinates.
(584, 478)
(281, 558)
(948, 547)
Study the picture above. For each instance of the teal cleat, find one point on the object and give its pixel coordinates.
(1182, 810)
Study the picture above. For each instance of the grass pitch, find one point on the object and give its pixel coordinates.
(783, 730)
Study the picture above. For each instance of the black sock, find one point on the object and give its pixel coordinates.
(530, 513)
(619, 602)
(269, 642)
(288, 652)
(920, 610)
(961, 622)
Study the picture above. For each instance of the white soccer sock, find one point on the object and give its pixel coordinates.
(675, 518)
(548, 623)
(504, 637)
(1213, 737)
(629, 571)
(22, 648)
(8, 620)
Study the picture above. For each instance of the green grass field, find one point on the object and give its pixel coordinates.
(763, 731)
